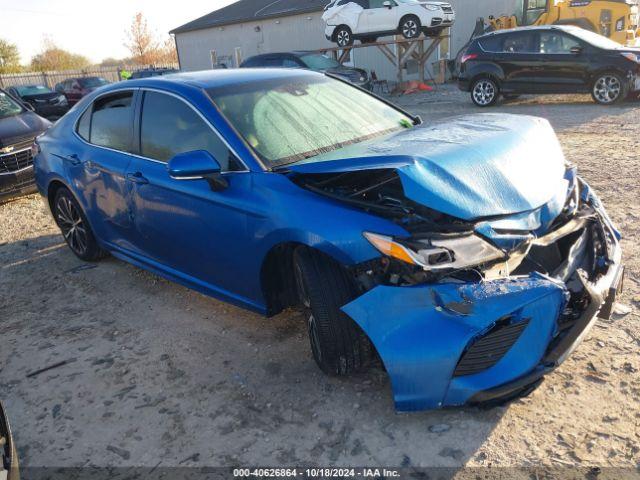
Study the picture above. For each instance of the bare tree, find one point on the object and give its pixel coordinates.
(141, 41)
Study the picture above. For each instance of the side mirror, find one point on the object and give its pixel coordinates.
(576, 50)
(388, 4)
(197, 165)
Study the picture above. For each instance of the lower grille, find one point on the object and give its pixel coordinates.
(489, 349)
(18, 160)
(16, 187)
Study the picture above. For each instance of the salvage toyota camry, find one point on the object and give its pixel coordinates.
(467, 255)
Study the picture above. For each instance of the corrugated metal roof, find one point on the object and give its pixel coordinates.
(248, 10)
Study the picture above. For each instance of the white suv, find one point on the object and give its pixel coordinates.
(367, 20)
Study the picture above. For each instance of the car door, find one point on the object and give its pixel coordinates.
(99, 162)
(183, 226)
(565, 63)
(520, 62)
(379, 18)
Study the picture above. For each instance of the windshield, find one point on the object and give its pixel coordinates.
(92, 82)
(8, 106)
(595, 39)
(32, 90)
(292, 119)
(319, 62)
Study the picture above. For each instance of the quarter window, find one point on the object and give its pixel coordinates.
(170, 127)
(112, 120)
(84, 125)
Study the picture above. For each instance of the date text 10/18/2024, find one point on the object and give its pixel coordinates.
(315, 473)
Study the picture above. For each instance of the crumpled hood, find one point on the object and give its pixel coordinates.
(470, 167)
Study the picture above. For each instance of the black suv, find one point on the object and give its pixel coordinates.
(18, 129)
(312, 61)
(550, 59)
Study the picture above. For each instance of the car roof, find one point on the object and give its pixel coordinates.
(219, 78)
(564, 28)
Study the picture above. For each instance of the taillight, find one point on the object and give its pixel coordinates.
(467, 57)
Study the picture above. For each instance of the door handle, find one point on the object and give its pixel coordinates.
(137, 178)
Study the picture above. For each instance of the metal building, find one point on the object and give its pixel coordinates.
(225, 37)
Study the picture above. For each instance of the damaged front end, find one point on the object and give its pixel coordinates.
(473, 310)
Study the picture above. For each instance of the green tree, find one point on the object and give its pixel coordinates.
(9, 57)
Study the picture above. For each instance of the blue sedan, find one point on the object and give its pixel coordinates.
(466, 255)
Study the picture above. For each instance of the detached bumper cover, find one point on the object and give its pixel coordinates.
(451, 344)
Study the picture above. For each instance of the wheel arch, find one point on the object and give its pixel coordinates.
(52, 189)
(407, 15)
(277, 276)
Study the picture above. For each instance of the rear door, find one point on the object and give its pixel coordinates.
(99, 163)
(519, 61)
(564, 69)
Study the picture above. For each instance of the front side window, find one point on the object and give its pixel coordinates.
(300, 117)
(92, 82)
(558, 43)
(169, 127)
(112, 121)
(8, 106)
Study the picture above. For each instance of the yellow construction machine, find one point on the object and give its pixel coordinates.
(615, 19)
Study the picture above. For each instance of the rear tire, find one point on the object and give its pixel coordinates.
(343, 36)
(75, 228)
(485, 92)
(410, 27)
(609, 88)
(338, 344)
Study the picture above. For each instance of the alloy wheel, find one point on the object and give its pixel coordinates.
(484, 92)
(71, 224)
(344, 38)
(607, 89)
(410, 29)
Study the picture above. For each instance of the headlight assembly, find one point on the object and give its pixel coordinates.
(432, 8)
(437, 254)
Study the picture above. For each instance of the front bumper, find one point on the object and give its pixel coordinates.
(16, 184)
(430, 337)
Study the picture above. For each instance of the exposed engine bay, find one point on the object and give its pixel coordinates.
(443, 248)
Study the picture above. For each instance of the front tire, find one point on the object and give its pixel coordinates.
(75, 228)
(410, 27)
(485, 92)
(343, 36)
(609, 88)
(338, 344)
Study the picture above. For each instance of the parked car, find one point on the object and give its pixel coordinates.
(366, 20)
(45, 102)
(19, 127)
(468, 254)
(312, 61)
(548, 59)
(9, 469)
(76, 88)
(152, 72)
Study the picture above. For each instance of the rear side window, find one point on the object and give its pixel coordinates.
(492, 44)
(519, 43)
(170, 127)
(112, 121)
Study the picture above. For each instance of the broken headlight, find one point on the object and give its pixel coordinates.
(441, 253)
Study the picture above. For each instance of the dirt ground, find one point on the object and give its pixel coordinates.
(156, 374)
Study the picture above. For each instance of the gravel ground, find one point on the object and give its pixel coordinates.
(156, 374)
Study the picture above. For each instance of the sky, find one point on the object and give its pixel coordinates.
(95, 29)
